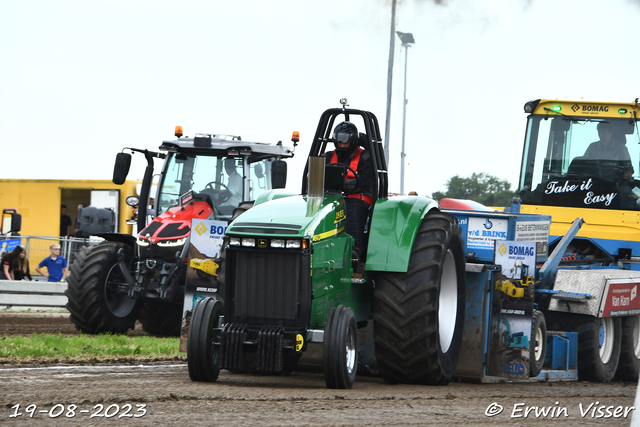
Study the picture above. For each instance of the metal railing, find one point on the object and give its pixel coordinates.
(37, 247)
(34, 295)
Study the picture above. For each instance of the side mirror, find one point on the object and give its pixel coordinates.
(121, 168)
(279, 174)
(258, 170)
(16, 222)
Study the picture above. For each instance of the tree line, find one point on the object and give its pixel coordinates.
(479, 187)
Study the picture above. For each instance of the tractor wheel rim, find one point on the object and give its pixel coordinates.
(448, 302)
(635, 335)
(606, 339)
(350, 351)
(538, 347)
(119, 304)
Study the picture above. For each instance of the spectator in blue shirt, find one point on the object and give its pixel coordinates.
(56, 265)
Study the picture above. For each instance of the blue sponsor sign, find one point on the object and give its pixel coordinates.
(8, 245)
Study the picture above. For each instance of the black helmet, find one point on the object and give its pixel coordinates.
(345, 132)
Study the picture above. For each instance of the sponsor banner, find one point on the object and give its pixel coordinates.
(483, 232)
(621, 300)
(207, 235)
(202, 281)
(517, 259)
(512, 309)
(8, 245)
(537, 232)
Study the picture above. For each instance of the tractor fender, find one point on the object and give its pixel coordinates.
(394, 224)
(125, 239)
(273, 195)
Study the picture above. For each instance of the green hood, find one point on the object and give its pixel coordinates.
(296, 216)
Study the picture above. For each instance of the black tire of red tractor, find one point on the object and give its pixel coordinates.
(416, 342)
(340, 349)
(591, 367)
(538, 344)
(629, 364)
(161, 319)
(202, 355)
(92, 302)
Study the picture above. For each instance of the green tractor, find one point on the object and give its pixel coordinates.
(291, 278)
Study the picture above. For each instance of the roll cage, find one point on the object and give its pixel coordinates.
(370, 140)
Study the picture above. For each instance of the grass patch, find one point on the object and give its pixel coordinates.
(73, 348)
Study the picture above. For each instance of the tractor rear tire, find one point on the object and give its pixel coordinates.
(599, 342)
(340, 349)
(161, 319)
(419, 315)
(538, 343)
(629, 364)
(202, 355)
(95, 303)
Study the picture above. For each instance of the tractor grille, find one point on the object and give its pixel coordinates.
(174, 229)
(267, 284)
(268, 287)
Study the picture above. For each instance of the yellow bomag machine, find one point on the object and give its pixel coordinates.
(206, 268)
(581, 160)
(522, 287)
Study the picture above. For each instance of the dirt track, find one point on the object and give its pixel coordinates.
(301, 399)
(22, 323)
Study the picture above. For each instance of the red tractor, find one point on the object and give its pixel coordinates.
(127, 278)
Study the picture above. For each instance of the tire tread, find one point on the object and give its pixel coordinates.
(405, 315)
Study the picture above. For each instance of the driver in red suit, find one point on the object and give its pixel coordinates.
(358, 190)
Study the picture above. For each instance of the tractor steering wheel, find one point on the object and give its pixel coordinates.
(355, 174)
(218, 196)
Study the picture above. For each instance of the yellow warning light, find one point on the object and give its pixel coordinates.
(295, 136)
(178, 132)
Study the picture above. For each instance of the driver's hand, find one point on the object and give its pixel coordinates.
(350, 185)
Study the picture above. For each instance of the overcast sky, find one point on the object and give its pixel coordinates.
(80, 80)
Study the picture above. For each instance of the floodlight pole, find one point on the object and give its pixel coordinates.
(387, 122)
(407, 40)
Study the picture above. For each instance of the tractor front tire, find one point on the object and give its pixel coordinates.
(419, 315)
(161, 319)
(202, 354)
(340, 349)
(97, 302)
(629, 364)
(538, 344)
